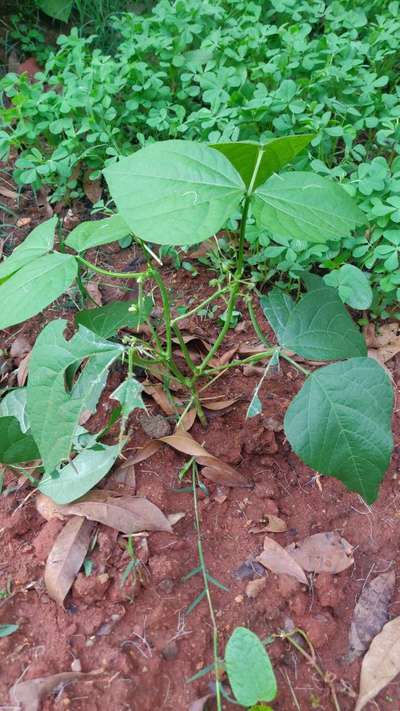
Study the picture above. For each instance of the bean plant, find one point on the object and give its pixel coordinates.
(181, 193)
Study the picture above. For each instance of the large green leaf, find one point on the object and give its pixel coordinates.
(97, 232)
(352, 284)
(277, 307)
(107, 320)
(305, 206)
(36, 244)
(249, 668)
(265, 159)
(57, 9)
(13, 404)
(15, 446)
(318, 326)
(340, 423)
(78, 477)
(35, 286)
(53, 411)
(175, 192)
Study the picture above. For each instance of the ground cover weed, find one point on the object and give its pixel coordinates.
(181, 192)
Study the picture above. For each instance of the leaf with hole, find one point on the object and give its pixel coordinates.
(175, 192)
(35, 286)
(263, 159)
(249, 668)
(68, 483)
(305, 206)
(317, 327)
(97, 232)
(129, 395)
(15, 445)
(36, 244)
(53, 411)
(340, 423)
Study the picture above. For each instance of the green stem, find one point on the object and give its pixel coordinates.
(246, 361)
(214, 296)
(166, 309)
(207, 591)
(105, 272)
(296, 365)
(184, 349)
(255, 323)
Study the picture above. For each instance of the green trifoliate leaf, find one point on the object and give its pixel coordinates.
(277, 307)
(36, 244)
(96, 232)
(53, 411)
(318, 326)
(69, 483)
(129, 395)
(353, 286)
(249, 668)
(107, 320)
(305, 206)
(262, 159)
(35, 286)
(15, 445)
(340, 423)
(175, 192)
(13, 404)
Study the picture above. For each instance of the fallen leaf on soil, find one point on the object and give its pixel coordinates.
(20, 347)
(93, 189)
(279, 561)
(128, 514)
(205, 247)
(385, 343)
(200, 704)
(218, 404)
(125, 475)
(158, 372)
(247, 349)
(23, 221)
(94, 292)
(22, 372)
(274, 525)
(8, 193)
(381, 664)
(254, 587)
(146, 452)
(47, 508)
(250, 370)
(29, 694)
(225, 358)
(188, 421)
(161, 398)
(174, 518)
(370, 613)
(322, 553)
(66, 557)
(214, 469)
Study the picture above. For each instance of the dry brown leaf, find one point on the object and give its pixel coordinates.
(381, 664)
(214, 469)
(188, 420)
(20, 347)
(218, 404)
(29, 694)
(23, 222)
(94, 292)
(158, 372)
(386, 342)
(66, 557)
(225, 358)
(8, 193)
(22, 371)
(204, 248)
(174, 518)
(93, 188)
(248, 349)
(274, 525)
(161, 398)
(146, 452)
(47, 508)
(279, 561)
(128, 514)
(370, 613)
(322, 553)
(125, 476)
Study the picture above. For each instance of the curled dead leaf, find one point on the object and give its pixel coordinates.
(94, 292)
(30, 694)
(274, 524)
(93, 189)
(168, 405)
(20, 347)
(66, 557)
(22, 372)
(216, 405)
(322, 553)
(279, 561)
(386, 342)
(370, 613)
(381, 664)
(47, 508)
